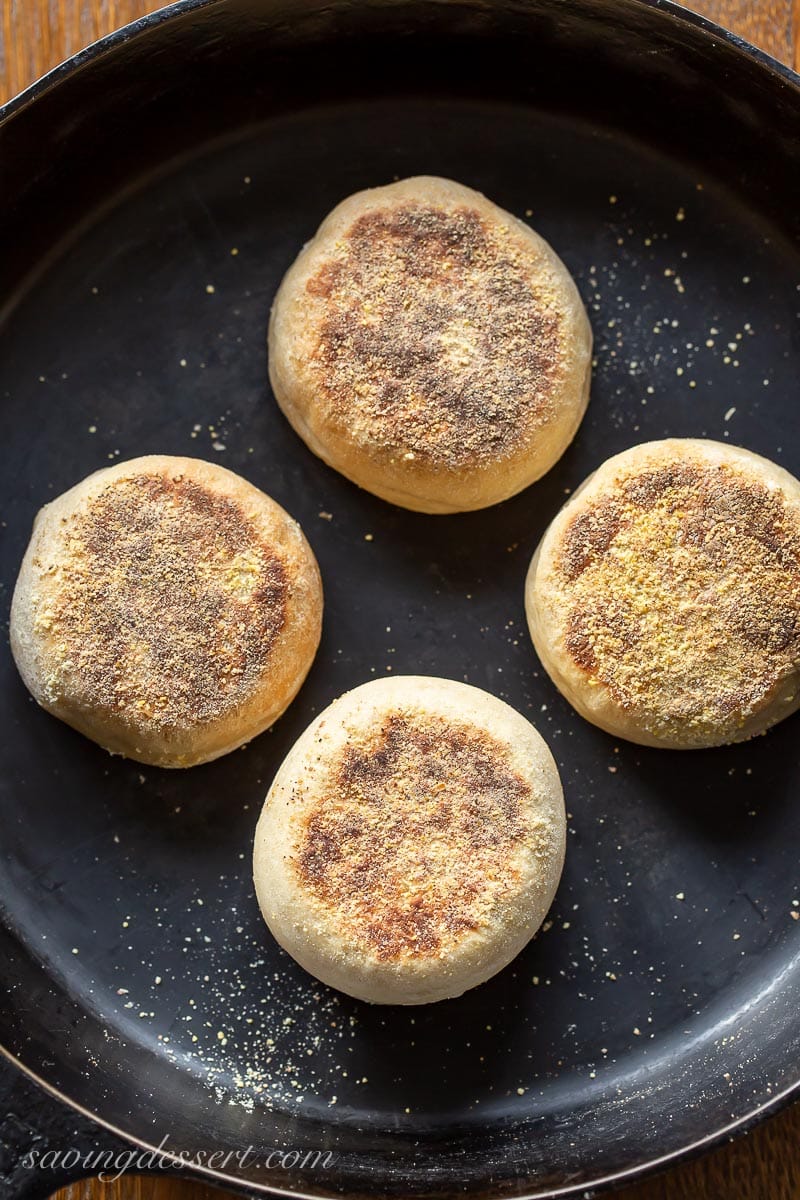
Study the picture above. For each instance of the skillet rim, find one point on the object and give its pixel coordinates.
(588, 1188)
(104, 45)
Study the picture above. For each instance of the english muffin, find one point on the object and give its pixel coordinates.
(412, 841)
(167, 609)
(664, 599)
(431, 347)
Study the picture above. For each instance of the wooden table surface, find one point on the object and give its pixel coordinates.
(35, 35)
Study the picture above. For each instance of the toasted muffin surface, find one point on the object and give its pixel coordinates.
(168, 600)
(431, 347)
(412, 841)
(436, 342)
(675, 577)
(417, 836)
(158, 601)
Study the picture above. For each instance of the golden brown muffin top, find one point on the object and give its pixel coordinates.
(418, 834)
(440, 335)
(161, 601)
(681, 594)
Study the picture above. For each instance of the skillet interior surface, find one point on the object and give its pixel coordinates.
(160, 191)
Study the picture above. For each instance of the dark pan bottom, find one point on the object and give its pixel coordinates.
(671, 950)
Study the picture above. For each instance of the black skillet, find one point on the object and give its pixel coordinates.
(154, 191)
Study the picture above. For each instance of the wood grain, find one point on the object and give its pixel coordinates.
(771, 25)
(37, 34)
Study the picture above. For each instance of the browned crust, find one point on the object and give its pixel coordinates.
(167, 604)
(436, 345)
(418, 835)
(681, 593)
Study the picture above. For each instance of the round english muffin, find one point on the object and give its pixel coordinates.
(431, 347)
(412, 841)
(167, 609)
(664, 599)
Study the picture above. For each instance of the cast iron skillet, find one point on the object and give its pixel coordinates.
(155, 189)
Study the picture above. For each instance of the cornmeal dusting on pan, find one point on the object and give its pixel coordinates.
(682, 595)
(423, 834)
(163, 602)
(435, 343)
